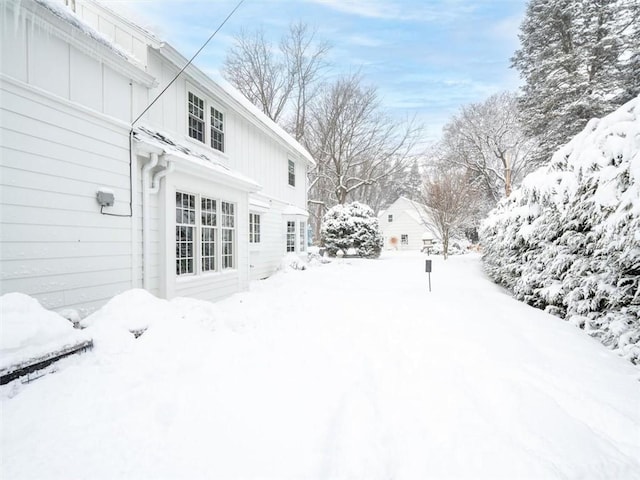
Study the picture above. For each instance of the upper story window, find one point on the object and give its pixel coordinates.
(206, 128)
(217, 129)
(292, 173)
(390, 218)
(196, 117)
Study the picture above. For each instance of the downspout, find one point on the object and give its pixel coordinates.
(146, 238)
(155, 183)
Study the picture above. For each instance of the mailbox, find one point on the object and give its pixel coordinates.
(427, 266)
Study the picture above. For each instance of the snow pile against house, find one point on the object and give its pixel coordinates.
(568, 241)
(29, 331)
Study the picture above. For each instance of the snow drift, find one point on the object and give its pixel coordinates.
(568, 241)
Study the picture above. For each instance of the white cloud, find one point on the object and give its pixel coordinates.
(399, 10)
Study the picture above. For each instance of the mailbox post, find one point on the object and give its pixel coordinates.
(427, 268)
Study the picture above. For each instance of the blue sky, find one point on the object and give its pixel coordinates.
(427, 57)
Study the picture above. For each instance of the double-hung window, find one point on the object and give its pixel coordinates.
(205, 234)
(217, 130)
(292, 173)
(228, 234)
(404, 239)
(209, 234)
(254, 228)
(303, 227)
(185, 233)
(291, 236)
(206, 129)
(196, 117)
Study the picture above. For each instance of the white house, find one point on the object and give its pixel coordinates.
(194, 198)
(404, 225)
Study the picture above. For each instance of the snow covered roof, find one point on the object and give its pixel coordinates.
(64, 13)
(293, 210)
(177, 151)
(58, 20)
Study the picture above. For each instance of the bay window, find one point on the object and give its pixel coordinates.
(205, 234)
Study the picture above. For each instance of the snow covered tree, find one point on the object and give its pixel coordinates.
(567, 241)
(352, 226)
(576, 61)
(487, 140)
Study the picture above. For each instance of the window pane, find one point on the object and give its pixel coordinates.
(196, 117)
(291, 236)
(217, 130)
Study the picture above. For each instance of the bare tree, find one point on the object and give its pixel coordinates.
(449, 195)
(259, 73)
(354, 143)
(279, 80)
(305, 58)
(487, 139)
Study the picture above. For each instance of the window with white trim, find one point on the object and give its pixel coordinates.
(254, 228)
(217, 129)
(209, 234)
(196, 117)
(185, 228)
(205, 234)
(303, 227)
(208, 128)
(291, 236)
(292, 173)
(228, 234)
(390, 218)
(404, 239)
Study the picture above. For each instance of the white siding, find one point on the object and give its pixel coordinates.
(55, 244)
(404, 223)
(212, 285)
(36, 56)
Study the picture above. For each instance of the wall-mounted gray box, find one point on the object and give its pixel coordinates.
(105, 198)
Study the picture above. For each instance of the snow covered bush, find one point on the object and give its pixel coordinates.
(353, 225)
(568, 241)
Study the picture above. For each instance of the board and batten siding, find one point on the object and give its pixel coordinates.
(266, 256)
(54, 243)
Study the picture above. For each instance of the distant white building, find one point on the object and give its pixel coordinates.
(200, 195)
(405, 224)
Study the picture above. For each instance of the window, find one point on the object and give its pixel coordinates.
(302, 231)
(217, 130)
(196, 117)
(390, 218)
(208, 215)
(291, 236)
(204, 244)
(404, 239)
(208, 129)
(185, 228)
(254, 228)
(292, 173)
(228, 230)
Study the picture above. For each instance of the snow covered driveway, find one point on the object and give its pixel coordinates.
(349, 370)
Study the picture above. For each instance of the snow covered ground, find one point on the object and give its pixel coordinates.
(348, 370)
